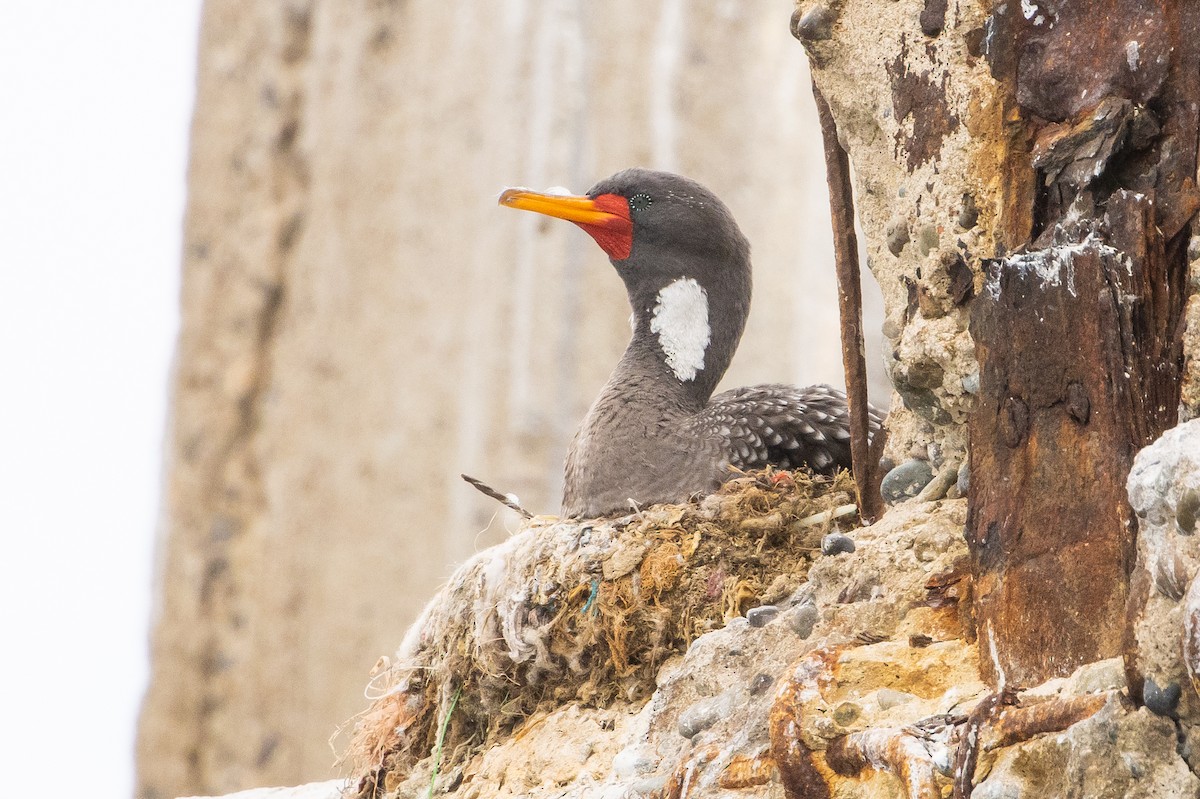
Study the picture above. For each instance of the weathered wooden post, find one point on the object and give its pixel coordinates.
(1076, 333)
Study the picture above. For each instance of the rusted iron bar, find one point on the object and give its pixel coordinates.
(1077, 334)
(895, 750)
(997, 722)
(1021, 722)
(968, 749)
(802, 772)
(845, 253)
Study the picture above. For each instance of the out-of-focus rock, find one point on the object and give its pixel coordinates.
(1162, 485)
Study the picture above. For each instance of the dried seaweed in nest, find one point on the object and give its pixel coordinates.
(586, 611)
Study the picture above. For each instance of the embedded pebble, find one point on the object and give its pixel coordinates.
(846, 713)
(631, 761)
(897, 236)
(927, 239)
(802, 619)
(814, 25)
(1092, 678)
(651, 786)
(925, 374)
(1186, 511)
(970, 383)
(1161, 701)
(964, 479)
(836, 544)
(888, 698)
(762, 615)
(968, 214)
(906, 480)
(921, 401)
(703, 714)
(760, 683)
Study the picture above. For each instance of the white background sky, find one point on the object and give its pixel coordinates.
(95, 104)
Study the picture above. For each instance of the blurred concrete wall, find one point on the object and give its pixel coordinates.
(361, 322)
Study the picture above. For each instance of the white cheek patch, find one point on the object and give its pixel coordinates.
(681, 324)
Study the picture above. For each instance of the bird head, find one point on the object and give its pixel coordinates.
(655, 227)
(685, 264)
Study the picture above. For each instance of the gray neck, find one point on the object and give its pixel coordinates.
(645, 358)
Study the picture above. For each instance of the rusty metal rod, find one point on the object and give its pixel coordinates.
(845, 254)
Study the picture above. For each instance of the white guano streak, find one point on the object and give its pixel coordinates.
(681, 324)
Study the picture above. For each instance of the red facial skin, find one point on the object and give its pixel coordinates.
(615, 233)
(605, 217)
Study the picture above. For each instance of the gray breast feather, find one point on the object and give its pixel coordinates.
(781, 425)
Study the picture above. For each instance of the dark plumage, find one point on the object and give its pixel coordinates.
(656, 433)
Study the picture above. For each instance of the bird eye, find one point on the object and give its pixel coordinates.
(640, 202)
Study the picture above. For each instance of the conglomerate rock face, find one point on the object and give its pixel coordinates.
(872, 654)
(918, 113)
(707, 725)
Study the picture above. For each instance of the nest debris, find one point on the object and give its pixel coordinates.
(586, 611)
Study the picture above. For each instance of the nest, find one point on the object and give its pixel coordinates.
(585, 612)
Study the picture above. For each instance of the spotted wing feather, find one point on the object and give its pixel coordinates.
(783, 426)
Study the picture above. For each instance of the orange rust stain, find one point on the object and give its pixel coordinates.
(746, 772)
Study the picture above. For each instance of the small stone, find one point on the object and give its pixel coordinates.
(650, 786)
(1194, 248)
(836, 544)
(892, 328)
(905, 481)
(814, 25)
(925, 374)
(897, 236)
(846, 713)
(760, 683)
(1186, 511)
(927, 239)
(762, 615)
(1092, 678)
(1161, 701)
(970, 383)
(888, 698)
(1171, 573)
(802, 619)
(933, 17)
(968, 214)
(922, 401)
(964, 479)
(631, 761)
(700, 717)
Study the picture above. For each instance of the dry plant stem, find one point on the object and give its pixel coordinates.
(845, 251)
(889, 749)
